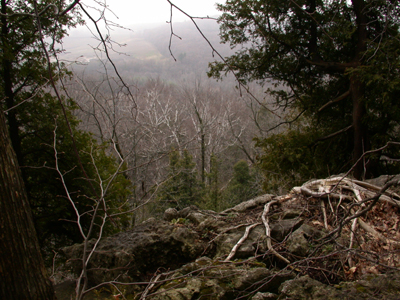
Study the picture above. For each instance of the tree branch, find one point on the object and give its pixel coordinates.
(338, 99)
(70, 7)
(334, 134)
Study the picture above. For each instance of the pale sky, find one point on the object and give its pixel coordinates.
(154, 11)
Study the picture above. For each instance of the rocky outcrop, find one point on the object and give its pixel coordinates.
(244, 252)
(210, 280)
(129, 256)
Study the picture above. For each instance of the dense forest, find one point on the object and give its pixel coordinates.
(111, 130)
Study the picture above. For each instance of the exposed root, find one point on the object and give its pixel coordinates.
(240, 242)
(361, 213)
(268, 231)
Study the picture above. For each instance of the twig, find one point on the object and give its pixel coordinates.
(150, 286)
(352, 234)
(324, 214)
(215, 51)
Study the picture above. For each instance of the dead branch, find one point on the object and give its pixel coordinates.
(324, 214)
(361, 195)
(322, 188)
(150, 286)
(371, 230)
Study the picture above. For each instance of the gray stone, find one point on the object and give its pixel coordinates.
(261, 279)
(212, 223)
(170, 214)
(283, 228)
(196, 217)
(291, 213)
(305, 288)
(129, 255)
(255, 242)
(264, 296)
(183, 213)
(191, 253)
(382, 180)
(298, 242)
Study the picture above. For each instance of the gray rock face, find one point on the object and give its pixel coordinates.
(306, 288)
(173, 243)
(369, 287)
(129, 255)
(283, 228)
(222, 281)
(382, 180)
(246, 205)
(254, 243)
(298, 242)
(265, 296)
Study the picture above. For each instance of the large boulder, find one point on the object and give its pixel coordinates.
(130, 255)
(298, 242)
(208, 279)
(305, 288)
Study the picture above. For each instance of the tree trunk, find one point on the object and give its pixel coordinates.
(360, 137)
(22, 271)
(361, 143)
(6, 74)
(203, 156)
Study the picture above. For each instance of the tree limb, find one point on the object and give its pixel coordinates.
(332, 135)
(338, 99)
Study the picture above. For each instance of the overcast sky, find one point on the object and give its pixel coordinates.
(131, 12)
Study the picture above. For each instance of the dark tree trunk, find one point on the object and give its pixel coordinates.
(360, 137)
(6, 74)
(202, 145)
(203, 156)
(22, 271)
(361, 143)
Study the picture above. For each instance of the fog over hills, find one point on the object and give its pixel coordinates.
(146, 52)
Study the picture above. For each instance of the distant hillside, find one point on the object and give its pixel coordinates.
(146, 53)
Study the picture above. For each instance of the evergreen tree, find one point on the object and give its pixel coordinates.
(182, 187)
(213, 186)
(23, 274)
(242, 186)
(35, 116)
(334, 63)
(23, 74)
